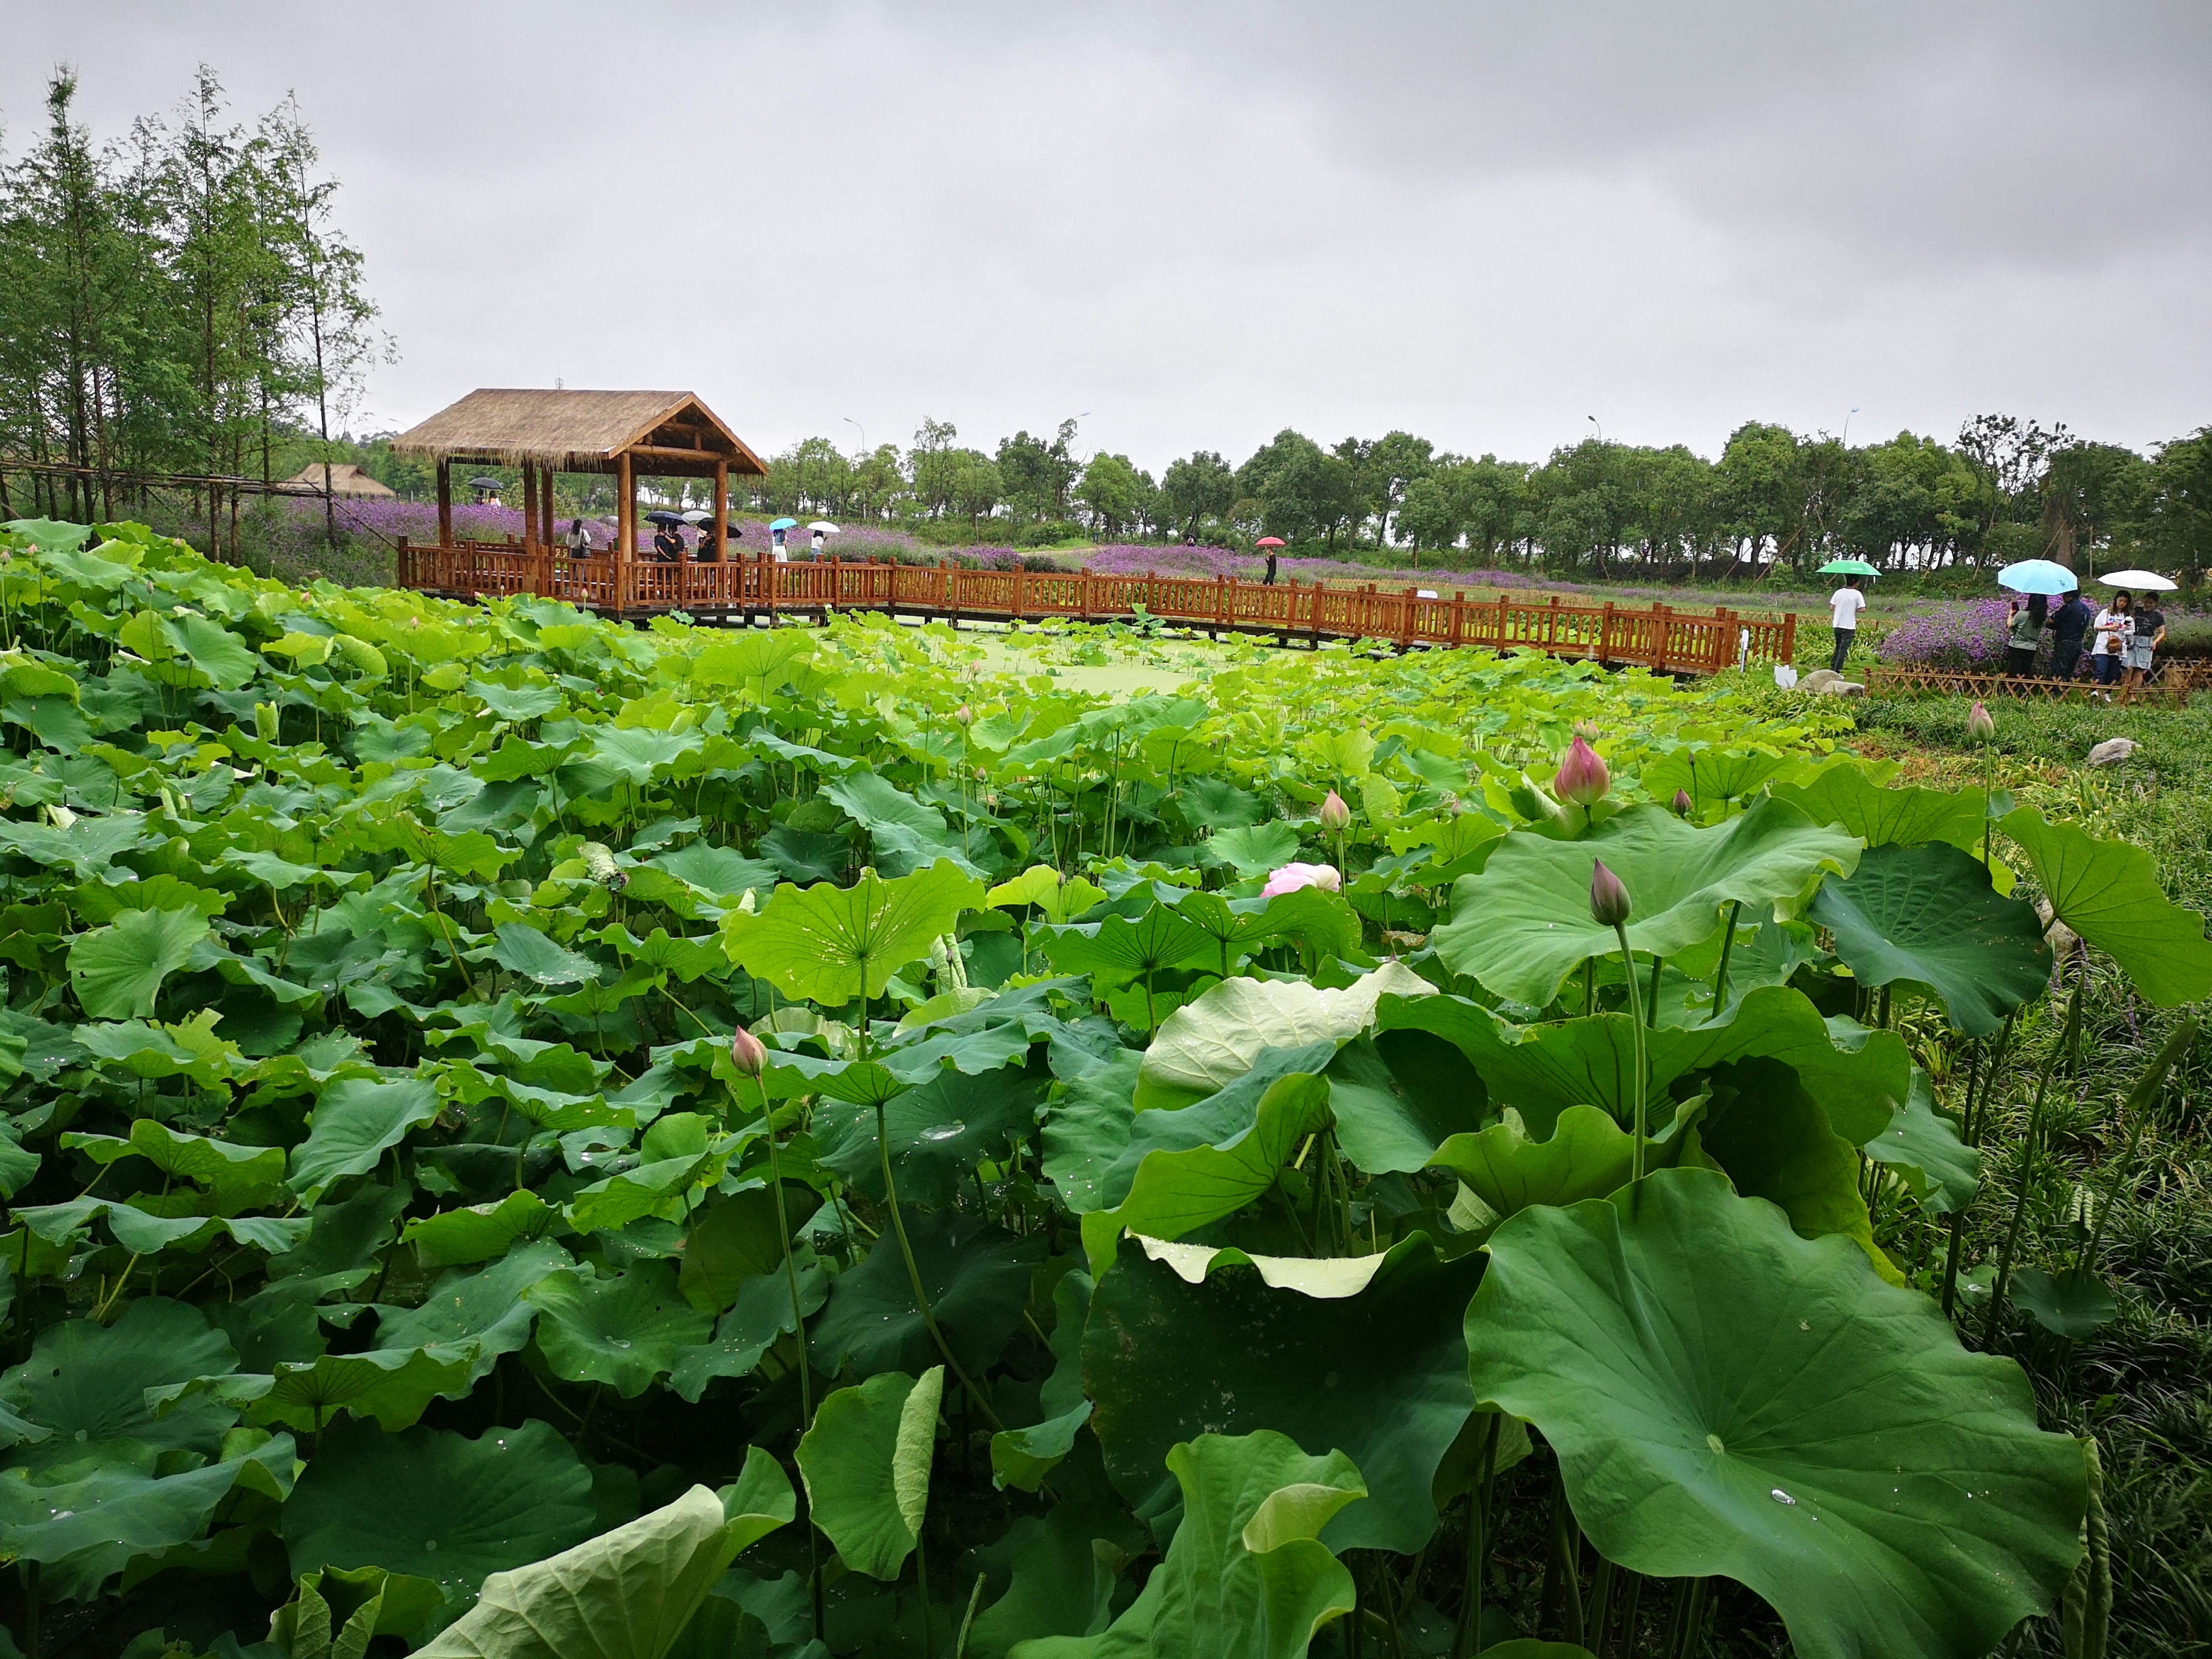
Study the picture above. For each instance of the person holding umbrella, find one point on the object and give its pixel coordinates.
(776, 530)
(2114, 626)
(818, 528)
(667, 545)
(1845, 604)
(1274, 545)
(2140, 649)
(2026, 628)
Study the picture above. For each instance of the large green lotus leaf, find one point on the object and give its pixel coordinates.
(627, 1594)
(214, 651)
(1373, 1365)
(484, 1312)
(626, 1330)
(1586, 1155)
(1858, 1075)
(1119, 949)
(1061, 1584)
(1524, 923)
(1712, 776)
(479, 1231)
(1774, 1142)
(978, 1281)
(84, 1522)
(1252, 849)
(1389, 1121)
(1922, 1147)
(723, 871)
(118, 969)
(521, 949)
(758, 1316)
(865, 1463)
(739, 1239)
(938, 1131)
(224, 1168)
(1843, 795)
(356, 1120)
(438, 1505)
(1216, 1120)
(2108, 891)
(86, 848)
(741, 659)
(389, 1387)
(1930, 915)
(2071, 1304)
(1175, 1193)
(85, 1384)
(829, 944)
(1246, 1574)
(1087, 1128)
(624, 1197)
(906, 836)
(1727, 1397)
(1212, 1042)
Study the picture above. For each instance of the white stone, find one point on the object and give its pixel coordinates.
(2111, 751)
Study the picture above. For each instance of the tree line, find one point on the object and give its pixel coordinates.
(2003, 489)
(178, 302)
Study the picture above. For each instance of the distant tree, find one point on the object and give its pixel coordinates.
(1429, 517)
(1199, 486)
(976, 487)
(1395, 462)
(2174, 519)
(1111, 490)
(2089, 491)
(934, 465)
(1037, 474)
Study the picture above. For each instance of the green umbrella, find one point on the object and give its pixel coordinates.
(1848, 567)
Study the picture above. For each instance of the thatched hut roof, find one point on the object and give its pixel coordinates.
(666, 433)
(345, 479)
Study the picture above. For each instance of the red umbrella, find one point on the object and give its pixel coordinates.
(1270, 541)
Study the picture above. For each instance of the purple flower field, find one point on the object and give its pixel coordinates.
(1970, 634)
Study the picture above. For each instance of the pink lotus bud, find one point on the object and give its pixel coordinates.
(1335, 816)
(1292, 876)
(748, 1053)
(1979, 726)
(963, 715)
(1609, 905)
(1683, 804)
(1582, 777)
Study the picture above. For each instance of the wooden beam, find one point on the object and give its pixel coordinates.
(625, 526)
(721, 509)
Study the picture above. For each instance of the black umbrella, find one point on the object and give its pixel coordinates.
(486, 483)
(664, 517)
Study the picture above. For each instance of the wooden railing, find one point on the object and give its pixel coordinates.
(1658, 637)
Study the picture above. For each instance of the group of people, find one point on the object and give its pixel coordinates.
(2127, 637)
(668, 544)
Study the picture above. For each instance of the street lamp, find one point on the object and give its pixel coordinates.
(858, 428)
(1594, 421)
(1847, 427)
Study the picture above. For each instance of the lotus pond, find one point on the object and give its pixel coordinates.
(530, 1136)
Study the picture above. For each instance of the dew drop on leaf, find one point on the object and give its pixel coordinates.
(1782, 1496)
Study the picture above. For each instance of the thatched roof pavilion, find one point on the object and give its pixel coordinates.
(345, 479)
(631, 434)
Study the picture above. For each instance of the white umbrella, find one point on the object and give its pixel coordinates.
(824, 526)
(698, 515)
(2147, 581)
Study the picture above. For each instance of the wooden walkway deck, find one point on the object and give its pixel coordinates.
(748, 592)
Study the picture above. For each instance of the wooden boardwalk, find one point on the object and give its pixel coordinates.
(748, 592)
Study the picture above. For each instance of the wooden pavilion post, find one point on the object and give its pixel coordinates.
(529, 505)
(551, 531)
(722, 505)
(445, 502)
(625, 529)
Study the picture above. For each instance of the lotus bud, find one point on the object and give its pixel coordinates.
(1292, 877)
(1609, 905)
(1683, 804)
(1581, 778)
(265, 721)
(1335, 816)
(963, 715)
(748, 1053)
(1979, 726)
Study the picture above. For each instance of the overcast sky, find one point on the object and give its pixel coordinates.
(1201, 222)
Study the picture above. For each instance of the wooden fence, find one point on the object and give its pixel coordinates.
(1658, 636)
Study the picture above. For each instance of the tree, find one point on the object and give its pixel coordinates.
(1038, 475)
(1428, 516)
(1201, 486)
(2175, 521)
(1111, 490)
(2088, 491)
(1395, 462)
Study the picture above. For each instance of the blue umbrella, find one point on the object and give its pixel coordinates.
(2037, 576)
(783, 524)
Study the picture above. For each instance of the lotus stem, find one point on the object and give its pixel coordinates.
(1694, 1619)
(790, 1264)
(1566, 1550)
(1651, 1002)
(913, 1276)
(1478, 1543)
(1601, 1605)
(967, 1623)
(2137, 1106)
(2027, 1167)
(1635, 1021)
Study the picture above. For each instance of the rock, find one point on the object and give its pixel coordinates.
(1819, 680)
(2111, 751)
(2055, 933)
(1840, 687)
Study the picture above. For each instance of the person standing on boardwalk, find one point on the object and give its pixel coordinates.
(580, 540)
(2114, 624)
(2143, 645)
(2067, 624)
(1844, 607)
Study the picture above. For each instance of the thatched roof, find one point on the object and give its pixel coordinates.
(346, 479)
(667, 434)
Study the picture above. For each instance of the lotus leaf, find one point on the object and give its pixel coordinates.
(977, 1278)
(1922, 1147)
(118, 969)
(1727, 1397)
(356, 1121)
(624, 1330)
(830, 944)
(866, 1461)
(2108, 892)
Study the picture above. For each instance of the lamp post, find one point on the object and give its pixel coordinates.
(1595, 422)
(1847, 427)
(858, 428)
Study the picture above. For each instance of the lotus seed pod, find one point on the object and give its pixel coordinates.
(747, 1053)
(1683, 804)
(1335, 816)
(1581, 778)
(599, 865)
(1609, 905)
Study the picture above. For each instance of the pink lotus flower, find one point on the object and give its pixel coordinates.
(1609, 905)
(747, 1054)
(1581, 778)
(1292, 876)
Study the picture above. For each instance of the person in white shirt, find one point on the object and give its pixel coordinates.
(2115, 627)
(1844, 607)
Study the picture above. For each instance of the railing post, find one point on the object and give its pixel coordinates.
(1724, 645)
(768, 569)
(1605, 634)
(1458, 614)
(1406, 618)
(1790, 636)
(1498, 644)
(1660, 618)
